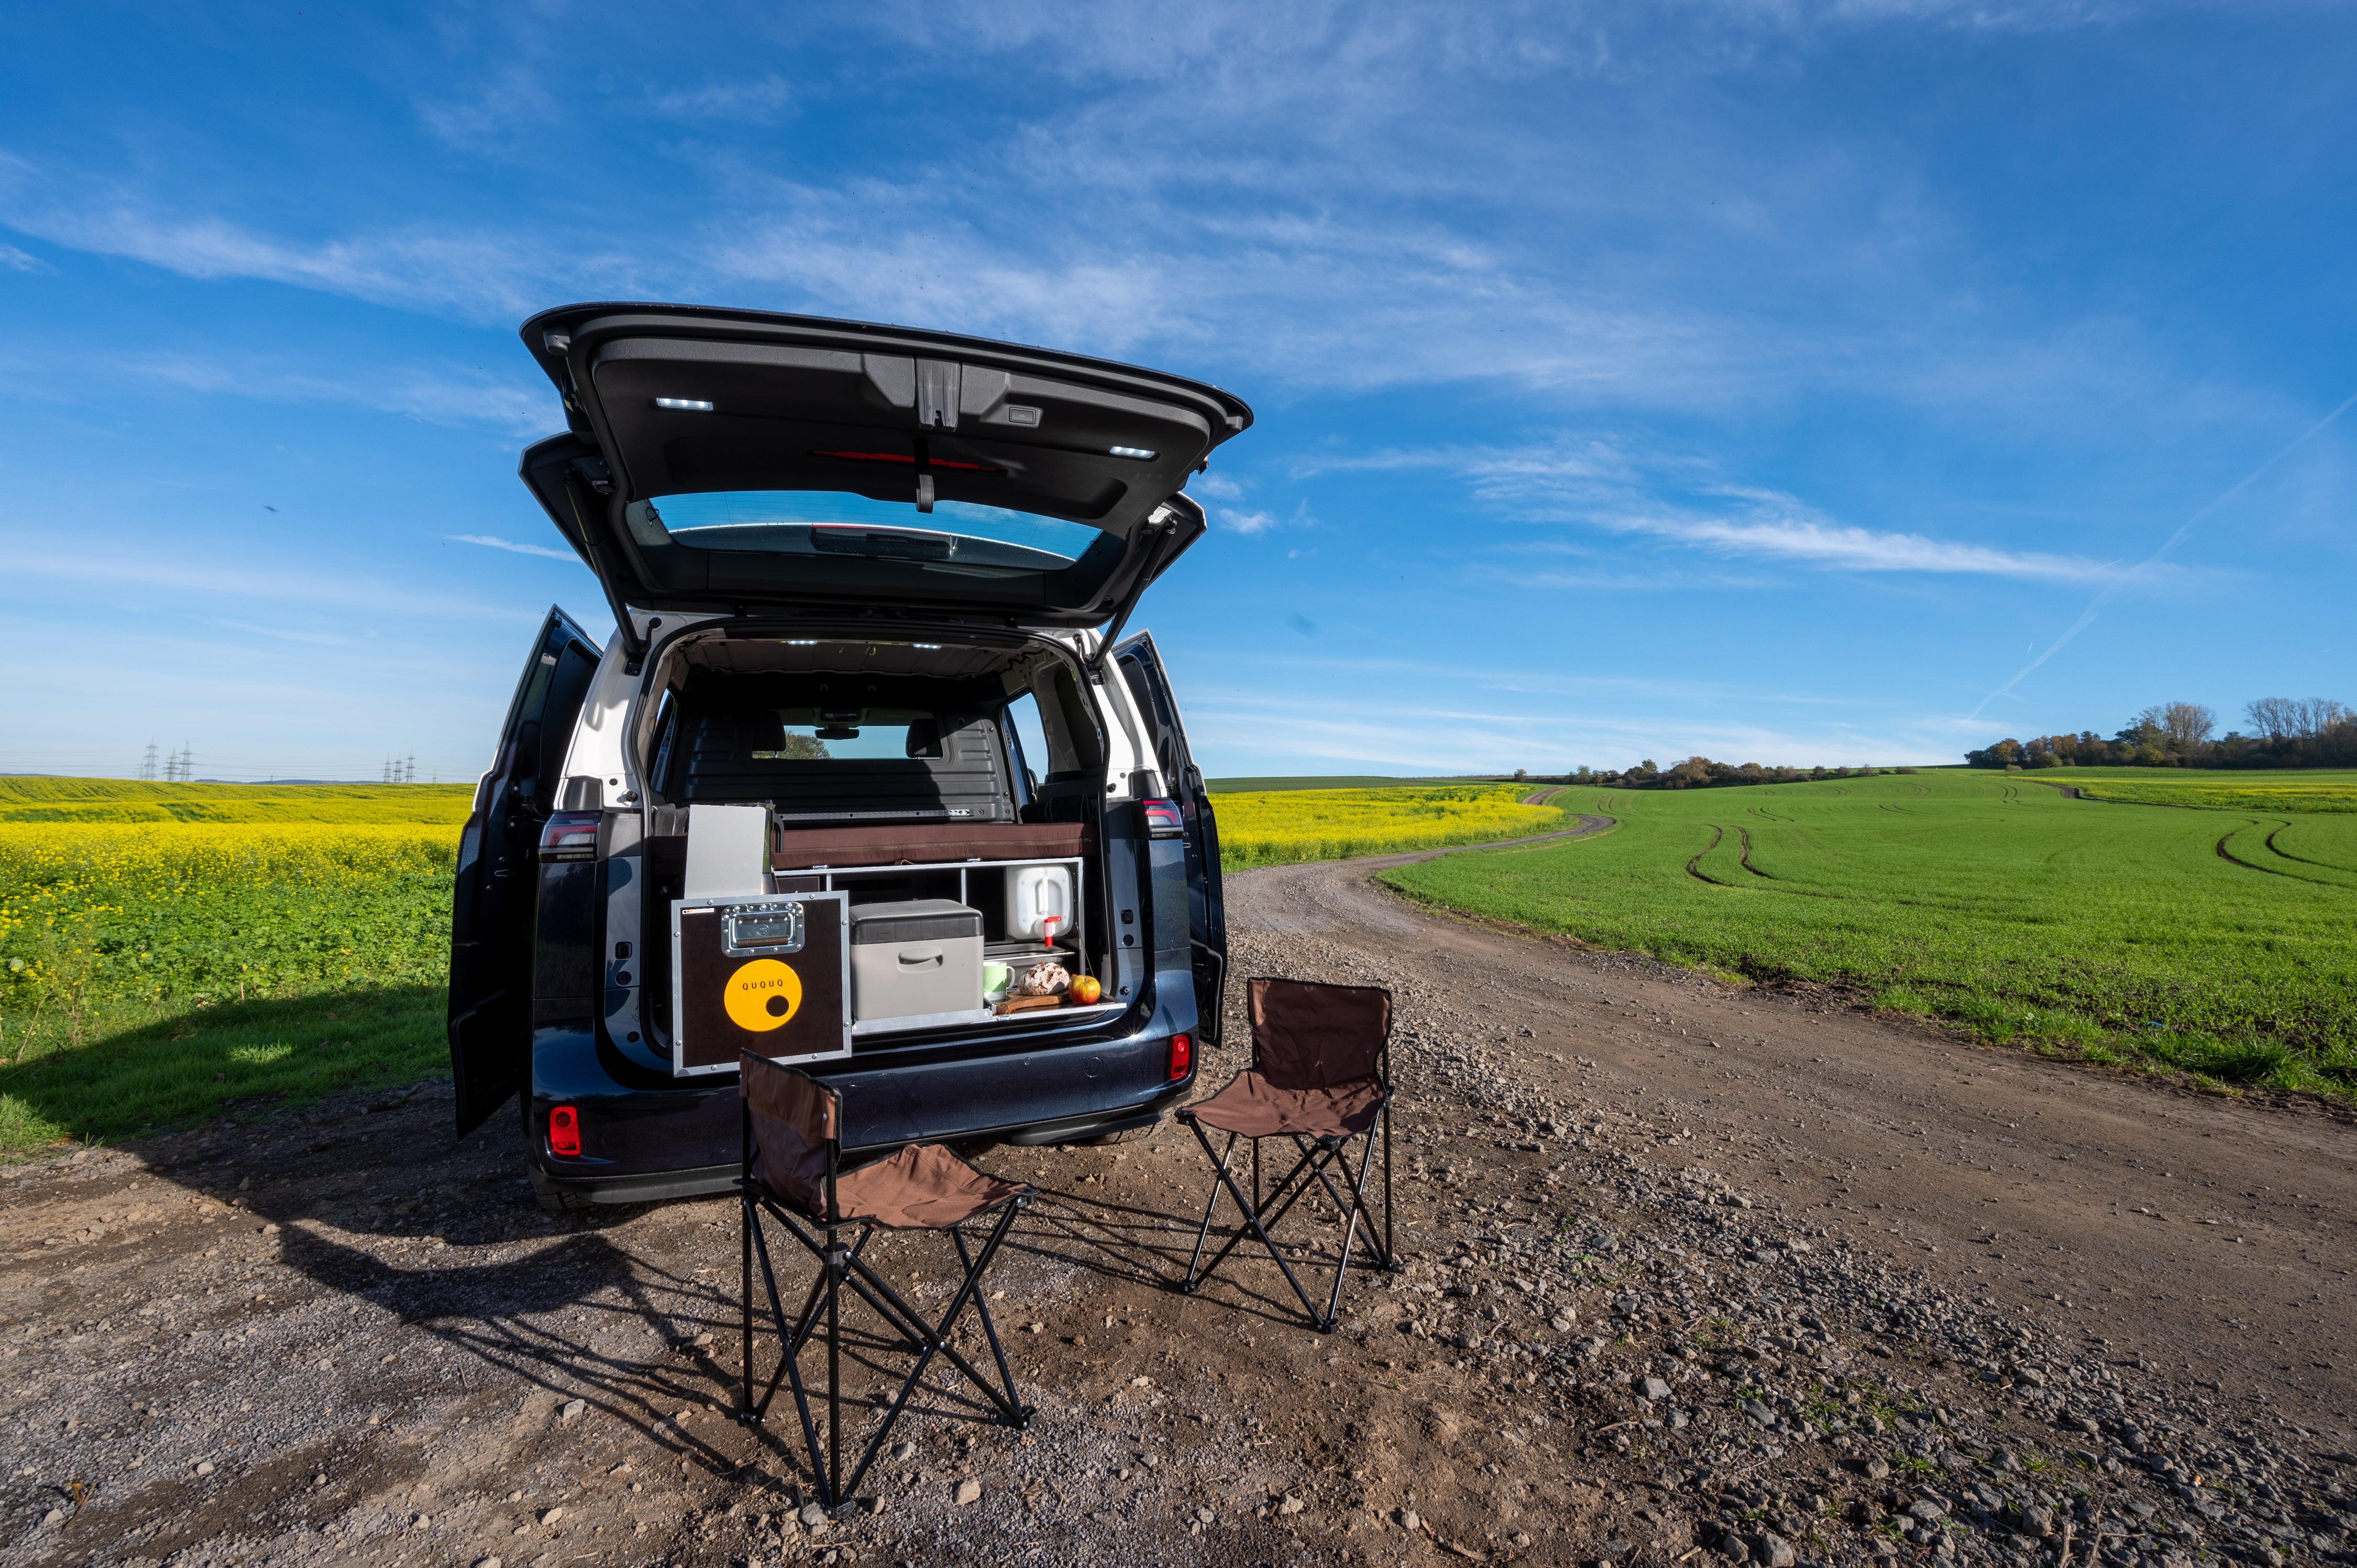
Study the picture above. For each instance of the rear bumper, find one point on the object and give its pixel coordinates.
(640, 1144)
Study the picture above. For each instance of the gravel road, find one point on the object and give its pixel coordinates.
(1695, 1273)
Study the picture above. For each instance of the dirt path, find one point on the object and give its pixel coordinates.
(2213, 1235)
(1786, 1295)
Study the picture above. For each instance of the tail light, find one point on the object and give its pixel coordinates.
(569, 836)
(563, 1131)
(1163, 820)
(1182, 1056)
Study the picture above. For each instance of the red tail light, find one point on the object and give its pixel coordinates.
(1163, 820)
(1182, 1056)
(564, 1131)
(569, 836)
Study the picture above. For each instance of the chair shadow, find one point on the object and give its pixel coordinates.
(1128, 1244)
(369, 1210)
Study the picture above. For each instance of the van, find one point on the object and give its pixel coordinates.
(869, 684)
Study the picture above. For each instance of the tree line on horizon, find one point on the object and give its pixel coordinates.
(2285, 732)
(1702, 773)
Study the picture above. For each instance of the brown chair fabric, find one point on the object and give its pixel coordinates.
(922, 1186)
(1309, 1036)
(1252, 1107)
(793, 1118)
(799, 849)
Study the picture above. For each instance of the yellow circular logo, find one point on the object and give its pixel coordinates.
(763, 995)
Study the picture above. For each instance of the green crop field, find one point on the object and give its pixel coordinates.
(154, 969)
(1281, 827)
(2222, 943)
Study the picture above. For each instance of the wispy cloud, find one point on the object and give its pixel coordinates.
(289, 634)
(762, 102)
(490, 541)
(438, 395)
(122, 567)
(16, 261)
(1616, 487)
(1779, 527)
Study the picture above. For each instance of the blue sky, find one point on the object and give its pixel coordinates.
(1821, 381)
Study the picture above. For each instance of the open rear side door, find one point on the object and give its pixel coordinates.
(491, 904)
(1207, 919)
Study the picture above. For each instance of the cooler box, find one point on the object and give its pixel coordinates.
(915, 958)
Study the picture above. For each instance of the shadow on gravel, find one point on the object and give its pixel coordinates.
(1124, 1244)
(632, 1310)
(379, 1207)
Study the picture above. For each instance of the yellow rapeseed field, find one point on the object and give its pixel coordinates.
(131, 800)
(149, 911)
(2223, 789)
(1281, 827)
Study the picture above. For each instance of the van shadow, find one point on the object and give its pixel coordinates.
(374, 1202)
(142, 1067)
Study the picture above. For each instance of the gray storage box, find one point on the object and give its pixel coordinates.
(915, 959)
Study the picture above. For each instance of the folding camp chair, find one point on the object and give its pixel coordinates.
(792, 1153)
(1320, 1076)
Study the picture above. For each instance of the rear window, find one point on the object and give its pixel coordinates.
(957, 536)
(811, 734)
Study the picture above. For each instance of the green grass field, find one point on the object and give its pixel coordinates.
(2222, 943)
(152, 973)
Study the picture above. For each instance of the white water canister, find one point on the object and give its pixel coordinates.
(1039, 903)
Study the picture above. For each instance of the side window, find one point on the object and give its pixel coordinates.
(1030, 739)
(1074, 748)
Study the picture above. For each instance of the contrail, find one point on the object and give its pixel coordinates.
(2087, 615)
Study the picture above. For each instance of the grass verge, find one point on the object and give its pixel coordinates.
(2220, 943)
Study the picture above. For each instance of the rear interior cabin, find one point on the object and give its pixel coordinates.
(897, 774)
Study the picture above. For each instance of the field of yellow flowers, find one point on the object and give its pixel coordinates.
(1281, 827)
(2214, 789)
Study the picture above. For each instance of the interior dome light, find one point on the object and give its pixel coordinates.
(692, 404)
(1138, 452)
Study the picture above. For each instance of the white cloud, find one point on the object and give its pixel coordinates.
(1237, 521)
(490, 541)
(18, 260)
(1219, 487)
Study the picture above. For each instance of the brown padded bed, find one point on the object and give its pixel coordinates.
(807, 848)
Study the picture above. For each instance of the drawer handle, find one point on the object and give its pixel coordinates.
(922, 958)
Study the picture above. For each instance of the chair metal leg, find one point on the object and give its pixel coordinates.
(746, 1218)
(822, 1313)
(1252, 1219)
(1290, 1191)
(834, 1368)
(1351, 1231)
(982, 1306)
(937, 1340)
(1204, 1234)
